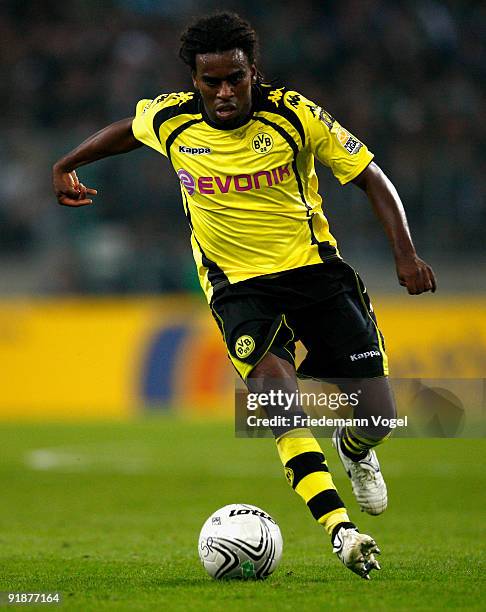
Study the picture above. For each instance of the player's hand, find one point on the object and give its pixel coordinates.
(416, 275)
(69, 191)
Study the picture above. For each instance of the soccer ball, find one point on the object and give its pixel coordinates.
(240, 541)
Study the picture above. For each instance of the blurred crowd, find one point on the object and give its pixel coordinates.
(407, 77)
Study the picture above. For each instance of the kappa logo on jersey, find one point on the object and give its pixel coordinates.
(187, 181)
(262, 143)
(194, 150)
(276, 95)
(180, 97)
(319, 113)
(239, 182)
(244, 346)
(294, 100)
(365, 355)
(161, 98)
(350, 143)
(184, 96)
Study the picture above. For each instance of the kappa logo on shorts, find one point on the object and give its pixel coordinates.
(244, 346)
(366, 355)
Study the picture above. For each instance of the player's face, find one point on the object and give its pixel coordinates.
(224, 81)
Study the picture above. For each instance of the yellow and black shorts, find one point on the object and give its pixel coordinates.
(325, 306)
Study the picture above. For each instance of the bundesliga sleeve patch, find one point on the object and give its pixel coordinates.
(349, 142)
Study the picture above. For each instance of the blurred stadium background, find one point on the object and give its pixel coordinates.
(100, 312)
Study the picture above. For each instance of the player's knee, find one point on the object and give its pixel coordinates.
(273, 368)
(376, 409)
(389, 407)
(272, 374)
(276, 380)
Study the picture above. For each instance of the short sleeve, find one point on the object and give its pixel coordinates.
(331, 143)
(143, 123)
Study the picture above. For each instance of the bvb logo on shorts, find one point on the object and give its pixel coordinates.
(262, 143)
(244, 346)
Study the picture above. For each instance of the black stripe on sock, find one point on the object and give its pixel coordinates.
(304, 464)
(324, 502)
(352, 437)
(352, 454)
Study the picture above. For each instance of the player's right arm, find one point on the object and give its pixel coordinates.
(112, 140)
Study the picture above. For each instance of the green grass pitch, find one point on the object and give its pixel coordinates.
(109, 515)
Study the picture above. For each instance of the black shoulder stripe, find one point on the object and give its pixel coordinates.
(295, 148)
(162, 116)
(283, 132)
(325, 250)
(178, 131)
(291, 118)
(191, 107)
(264, 104)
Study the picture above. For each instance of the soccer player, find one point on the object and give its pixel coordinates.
(244, 153)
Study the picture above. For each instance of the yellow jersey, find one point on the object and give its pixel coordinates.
(250, 194)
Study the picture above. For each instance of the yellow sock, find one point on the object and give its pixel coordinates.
(307, 473)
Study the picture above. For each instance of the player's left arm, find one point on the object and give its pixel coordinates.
(350, 161)
(413, 273)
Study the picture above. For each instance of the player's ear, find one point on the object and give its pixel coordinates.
(194, 82)
(254, 74)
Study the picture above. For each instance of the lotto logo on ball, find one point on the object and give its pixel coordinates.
(244, 346)
(243, 542)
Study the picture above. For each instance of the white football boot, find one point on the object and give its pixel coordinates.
(357, 551)
(369, 488)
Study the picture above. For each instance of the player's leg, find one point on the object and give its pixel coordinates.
(307, 471)
(345, 345)
(304, 462)
(355, 443)
(260, 345)
(375, 410)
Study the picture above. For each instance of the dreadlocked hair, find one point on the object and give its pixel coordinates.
(217, 33)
